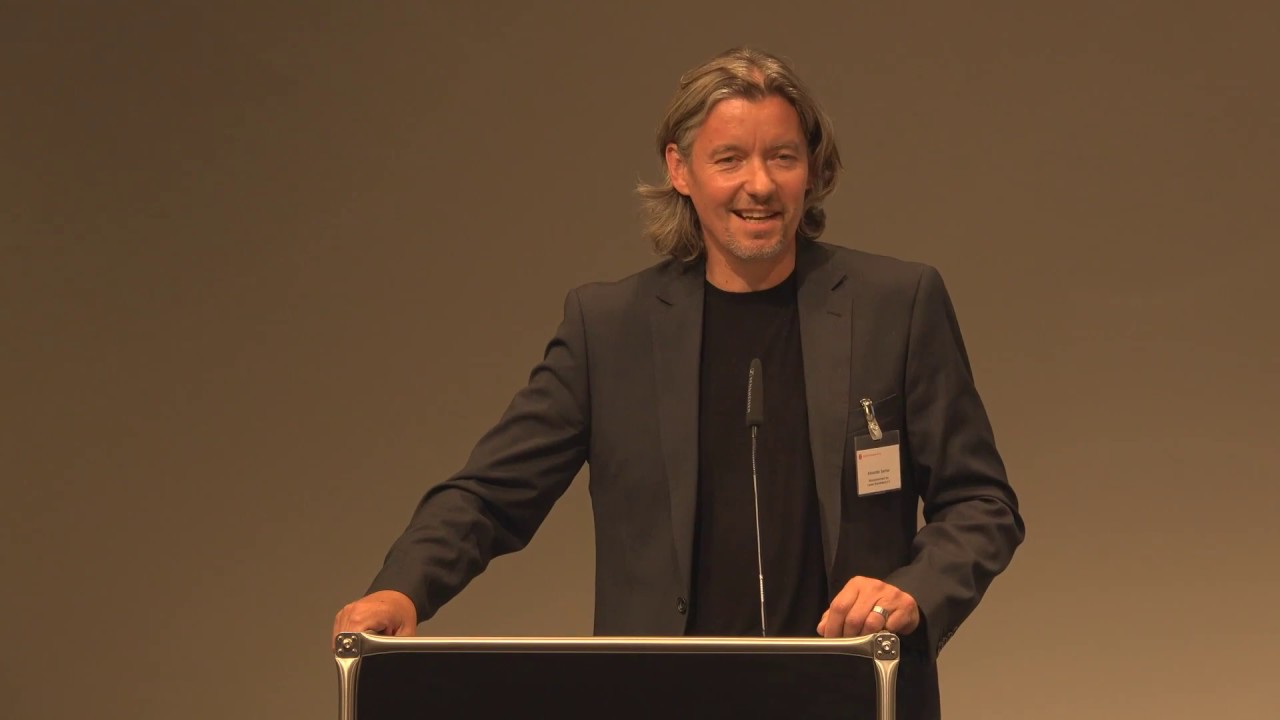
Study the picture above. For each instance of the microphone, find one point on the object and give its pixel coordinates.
(755, 418)
(755, 396)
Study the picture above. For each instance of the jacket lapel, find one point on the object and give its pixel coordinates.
(826, 303)
(676, 320)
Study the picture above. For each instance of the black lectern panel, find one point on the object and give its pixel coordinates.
(401, 686)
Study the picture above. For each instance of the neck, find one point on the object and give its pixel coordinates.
(733, 274)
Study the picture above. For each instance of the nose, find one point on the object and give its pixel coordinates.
(759, 182)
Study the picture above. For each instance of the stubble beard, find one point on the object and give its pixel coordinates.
(748, 250)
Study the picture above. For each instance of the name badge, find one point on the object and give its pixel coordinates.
(878, 463)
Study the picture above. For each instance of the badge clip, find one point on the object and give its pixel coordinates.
(873, 426)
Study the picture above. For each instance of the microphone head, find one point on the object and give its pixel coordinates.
(755, 394)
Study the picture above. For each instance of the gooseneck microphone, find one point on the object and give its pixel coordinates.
(755, 396)
(755, 418)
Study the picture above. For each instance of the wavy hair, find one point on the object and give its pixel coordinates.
(670, 221)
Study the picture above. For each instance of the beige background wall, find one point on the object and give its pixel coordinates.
(267, 270)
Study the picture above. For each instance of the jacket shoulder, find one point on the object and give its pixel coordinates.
(872, 267)
(603, 296)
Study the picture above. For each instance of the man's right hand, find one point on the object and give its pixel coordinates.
(385, 612)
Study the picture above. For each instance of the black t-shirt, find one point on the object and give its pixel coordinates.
(737, 327)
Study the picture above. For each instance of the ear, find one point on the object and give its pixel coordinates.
(677, 170)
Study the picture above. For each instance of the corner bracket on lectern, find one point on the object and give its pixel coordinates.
(886, 645)
(347, 645)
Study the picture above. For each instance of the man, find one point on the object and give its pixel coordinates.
(871, 409)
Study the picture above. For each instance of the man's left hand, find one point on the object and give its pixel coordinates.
(851, 614)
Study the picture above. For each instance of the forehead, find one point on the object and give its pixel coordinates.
(771, 120)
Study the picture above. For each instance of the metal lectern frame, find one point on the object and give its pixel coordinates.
(881, 648)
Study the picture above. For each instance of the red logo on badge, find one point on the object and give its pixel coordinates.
(859, 456)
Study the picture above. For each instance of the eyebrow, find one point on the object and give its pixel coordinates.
(730, 147)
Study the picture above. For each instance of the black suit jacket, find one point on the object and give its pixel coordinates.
(618, 389)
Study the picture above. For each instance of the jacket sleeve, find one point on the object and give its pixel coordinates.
(972, 524)
(514, 475)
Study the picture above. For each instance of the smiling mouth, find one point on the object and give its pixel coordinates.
(756, 215)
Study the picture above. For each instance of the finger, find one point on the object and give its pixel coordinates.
(874, 623)
(856, 620)
(904, 614)
(822, 624)
(364, 617)
(904, 620)
(839, 610)
(348, 620)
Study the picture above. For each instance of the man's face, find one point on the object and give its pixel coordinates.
(747, 173)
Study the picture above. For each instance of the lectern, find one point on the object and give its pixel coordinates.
(394, 678)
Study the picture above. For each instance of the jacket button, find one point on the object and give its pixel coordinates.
(682, 607)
